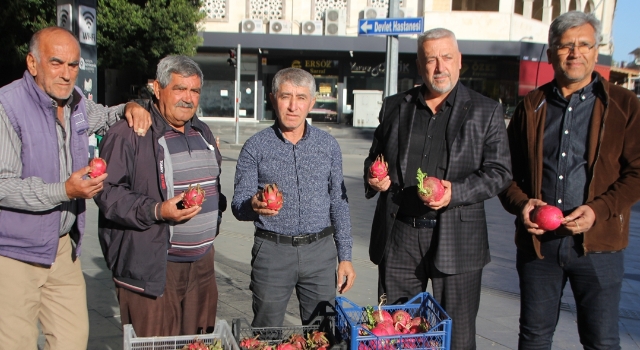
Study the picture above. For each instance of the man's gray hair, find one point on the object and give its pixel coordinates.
(34, 43)
(178, 64)
(570, 20)
(433, 34)
(296, 77)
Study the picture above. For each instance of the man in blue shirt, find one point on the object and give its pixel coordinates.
(290, 249)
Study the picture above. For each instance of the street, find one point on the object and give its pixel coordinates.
(497, 322)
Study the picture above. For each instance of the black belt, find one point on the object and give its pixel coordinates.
(294, 240)
(417, 222)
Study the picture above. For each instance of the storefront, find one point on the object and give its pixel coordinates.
(504, 71)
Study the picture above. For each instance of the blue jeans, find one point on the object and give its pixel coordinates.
(596, 281)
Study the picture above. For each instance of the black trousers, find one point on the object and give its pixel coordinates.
(406, 270)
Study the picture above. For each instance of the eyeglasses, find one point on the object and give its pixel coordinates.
(582, 48)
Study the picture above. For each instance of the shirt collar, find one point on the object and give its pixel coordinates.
(591, 88)
(305, 135)
(187, 125)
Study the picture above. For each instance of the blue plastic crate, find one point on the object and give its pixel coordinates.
(350, 317)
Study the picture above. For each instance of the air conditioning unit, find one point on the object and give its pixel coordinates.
(407, 12)
(335, 22)
(374, 12)
(251, 26)
(311, 28)
(277, 26)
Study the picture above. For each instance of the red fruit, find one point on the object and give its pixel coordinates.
(98, 167)
(250, 343)
(547, 217)
(272, 196)
(193, 196)
(401, 319)
(298, 341)
(418, 325)
(318, 339)
(382, 330)
(430, 189)
(285, 346)
(381, 316)
(379, 169)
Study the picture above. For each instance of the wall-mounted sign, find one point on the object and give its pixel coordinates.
(87, 25)
(378, 69)
(65, 16)
(390, 26)
(318, 66)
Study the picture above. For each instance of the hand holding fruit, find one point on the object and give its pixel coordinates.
(434, 192)
(77, 187)
(378, 175)
(268, 201)
(527, 208)
(170, 212)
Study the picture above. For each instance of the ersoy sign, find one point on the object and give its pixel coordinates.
(391, 26)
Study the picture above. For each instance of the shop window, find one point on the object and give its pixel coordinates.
(216, 10)
(589, 7)
(572, 5)
(319, 6)
(265, 9)
(475, 5)
(326, 107)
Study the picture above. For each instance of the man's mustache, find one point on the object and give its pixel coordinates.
(184, 104)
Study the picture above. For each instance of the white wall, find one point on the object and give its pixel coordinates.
(468, 25)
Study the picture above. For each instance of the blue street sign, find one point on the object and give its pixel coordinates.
(391, 26)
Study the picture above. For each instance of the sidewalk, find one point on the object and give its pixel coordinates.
(497, 322)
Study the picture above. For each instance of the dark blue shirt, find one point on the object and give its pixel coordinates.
(564, 172)
(309, 175)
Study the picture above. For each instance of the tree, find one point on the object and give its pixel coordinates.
(19, 19)
(134, 35)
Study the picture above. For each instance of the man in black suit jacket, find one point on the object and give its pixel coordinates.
(456, 135)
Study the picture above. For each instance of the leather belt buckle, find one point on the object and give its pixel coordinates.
(299, 240)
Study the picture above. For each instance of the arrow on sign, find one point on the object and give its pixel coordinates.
(366, 26)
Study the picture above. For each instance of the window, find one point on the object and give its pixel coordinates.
(216, 10)
(475, 5)
(265, 9)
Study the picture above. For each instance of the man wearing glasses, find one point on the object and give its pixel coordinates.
(574, 145)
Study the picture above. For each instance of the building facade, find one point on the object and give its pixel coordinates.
(503, 43)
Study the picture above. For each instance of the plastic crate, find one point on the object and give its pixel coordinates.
(221, 331)
(276, 335)
(350, 317)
